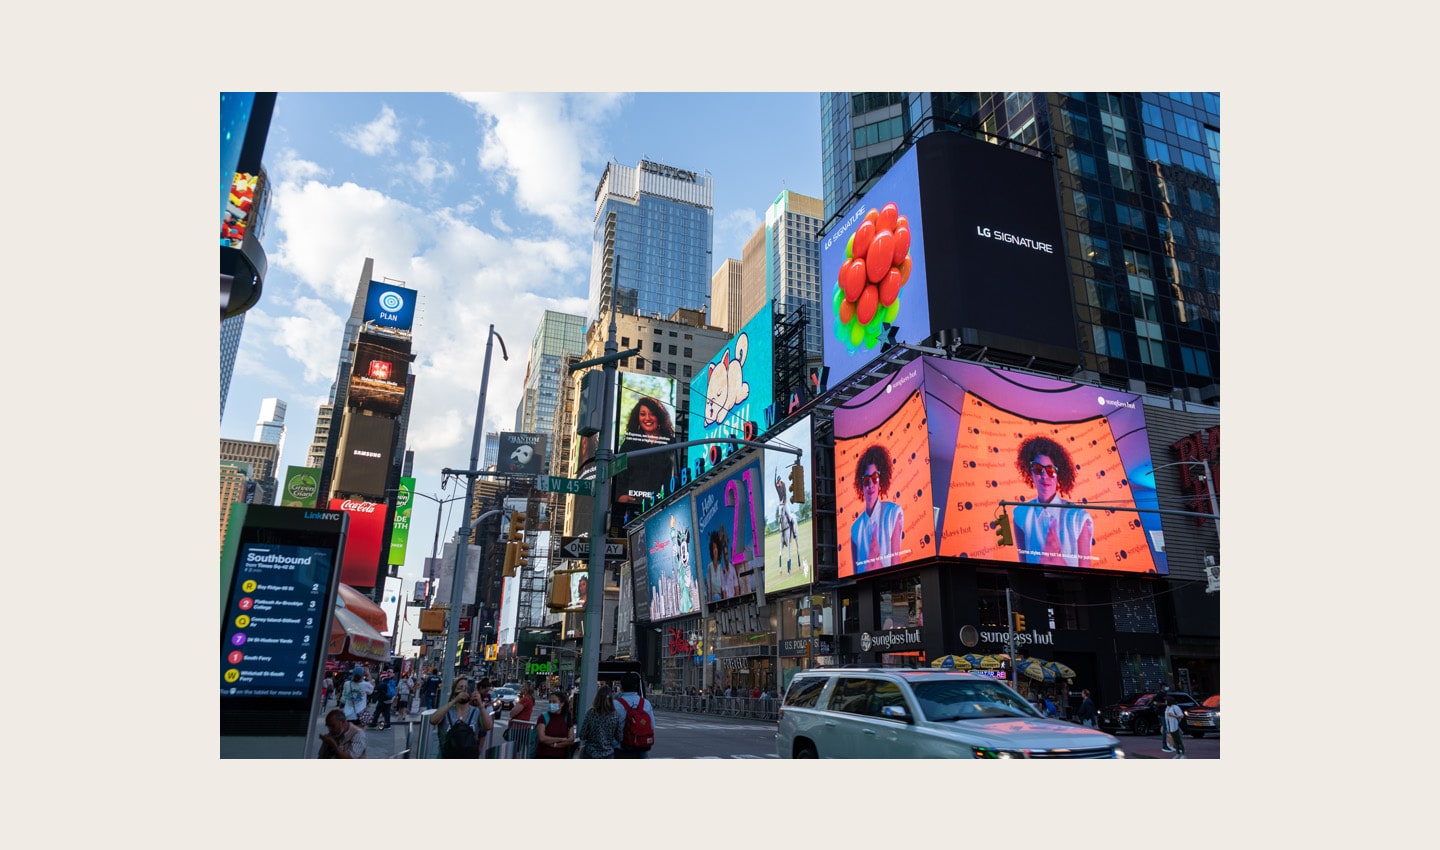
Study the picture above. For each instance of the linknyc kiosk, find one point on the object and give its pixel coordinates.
(279, 573)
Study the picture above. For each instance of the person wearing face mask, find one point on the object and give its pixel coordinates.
(555, 729)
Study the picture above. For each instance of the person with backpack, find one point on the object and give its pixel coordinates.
(353, 696)
(555, 730)
(637, 732)
(600, 733)
(383, 694)
(461, 733)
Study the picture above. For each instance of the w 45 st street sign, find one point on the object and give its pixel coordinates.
(556, 484)
(579, 548)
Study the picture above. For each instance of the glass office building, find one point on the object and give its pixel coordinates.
(655, 224)
(1139, 187)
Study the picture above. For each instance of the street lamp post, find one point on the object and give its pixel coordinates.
(462, 537)
(434, 544)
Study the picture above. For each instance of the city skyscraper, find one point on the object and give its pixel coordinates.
(781, 262)
(557, 335)
(1139, 189)
(271, 426)
(230, 330)
(725, 297)
(657, 223)
(262, 458)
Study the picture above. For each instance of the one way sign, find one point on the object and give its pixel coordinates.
(579, 548)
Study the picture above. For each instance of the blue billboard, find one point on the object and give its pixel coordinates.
(730, 537)
(390, 306)
(670, 557)
(737, 386)
(872, 272)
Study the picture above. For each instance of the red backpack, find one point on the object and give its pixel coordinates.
(639, 732)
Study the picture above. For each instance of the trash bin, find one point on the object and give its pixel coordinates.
(427, 740)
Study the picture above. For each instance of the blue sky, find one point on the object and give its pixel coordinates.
(483, 204)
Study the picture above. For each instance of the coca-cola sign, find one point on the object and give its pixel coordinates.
(360, 559)
(358, 507)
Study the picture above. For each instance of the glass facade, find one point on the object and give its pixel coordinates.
(558, 335)
(1139, 187)
(662, 245)
(230, 331)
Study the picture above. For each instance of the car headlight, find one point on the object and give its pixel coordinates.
(988, 753)
(1119, 753)
(1124, 715)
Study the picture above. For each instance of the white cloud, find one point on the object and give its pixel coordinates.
(289, 167)
(497, 220)
(541, 145)
(311, 336)
(376, 137)
(732, 231)
(426, 169)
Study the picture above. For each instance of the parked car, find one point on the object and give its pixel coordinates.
(504, 697)
(1203, 718)
(913, 713)
(1136, 713)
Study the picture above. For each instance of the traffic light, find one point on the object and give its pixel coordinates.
(1002, 530)
(559, 591)
(797, 484)
(1019, 622)
(517, 527)
(512, 554)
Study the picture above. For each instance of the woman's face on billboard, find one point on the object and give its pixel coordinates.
(870, 485)
(648, 420)
(1042, 473)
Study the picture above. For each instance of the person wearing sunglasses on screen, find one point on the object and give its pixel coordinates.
(1052, 531)
(875, 537)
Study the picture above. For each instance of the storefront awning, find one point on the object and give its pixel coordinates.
(358, 603)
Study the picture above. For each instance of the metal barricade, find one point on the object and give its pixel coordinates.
(520, 738)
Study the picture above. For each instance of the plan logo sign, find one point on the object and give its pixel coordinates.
(390, 306)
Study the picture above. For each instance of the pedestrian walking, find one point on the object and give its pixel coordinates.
(430, 690)
(1087, 709)
(555, 729)
(1162, 701)
(402, 696)
(1173, 715)
(382, 705)
(600, 732)
(629, 698)
(354, 695)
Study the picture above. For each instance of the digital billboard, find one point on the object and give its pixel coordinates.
(639, 574)
(400, 527)
(522, 452)
(377, 377)
(579, 590)
(730, 533)
(974, 436)
(390, 306)
(736, 387)
(302, 486)
(1073, 453)
(873, 273)
(999, 275)
(362, 462)
(883, 512)
(670, 560)
(646, 419)
(238, 209)
(789, 526)
(360, 559)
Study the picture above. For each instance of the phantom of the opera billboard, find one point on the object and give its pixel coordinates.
(1072, 460)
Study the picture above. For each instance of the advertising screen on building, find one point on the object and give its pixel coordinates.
(674, 590)
(883, 512)
(1074, 453)
(390, 306)
(360, 559)
(789, 536)
(579, 590)
(362, 461)
(522, 452)
(238, 209)
(400, 529)
(976, 436)
(730, 533)
(736, 387)
(302, 486)
(873, 273)
(999, 275)
(639, 574)
(646, 419)
(377, 378)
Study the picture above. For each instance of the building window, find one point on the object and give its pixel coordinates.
(624, 342)
(670, 367)
(688, 372)
(655, 365)
(990, 598)
(1094, 250)
(672, 333)
(1067, 608)
(640, 363)
(672, 351)
(900, 604)
(657, 345)
(1195, 361)
(689, 353)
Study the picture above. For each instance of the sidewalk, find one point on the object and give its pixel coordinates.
(1148, 747)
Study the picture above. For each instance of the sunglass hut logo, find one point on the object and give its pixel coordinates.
(1114, 402)
(885, 640)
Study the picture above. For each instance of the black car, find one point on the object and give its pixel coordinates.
(1139, 713)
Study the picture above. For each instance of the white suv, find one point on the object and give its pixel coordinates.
(912, 713)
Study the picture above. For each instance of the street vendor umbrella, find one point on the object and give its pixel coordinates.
(1035, 669)
(1060, 670)
(984, 662)
(352, 639)
(951, 662)
(358, 603)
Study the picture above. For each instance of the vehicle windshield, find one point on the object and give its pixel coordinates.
(1137, 700)
(970, 699)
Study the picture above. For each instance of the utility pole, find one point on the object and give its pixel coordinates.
(1010, 638)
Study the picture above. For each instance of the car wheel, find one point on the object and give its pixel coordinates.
(1142, 727)
(806, 751)
(1197, 734)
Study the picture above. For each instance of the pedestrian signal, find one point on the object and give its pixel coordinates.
(1003, 535)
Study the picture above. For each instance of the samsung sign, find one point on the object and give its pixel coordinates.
(390, 306)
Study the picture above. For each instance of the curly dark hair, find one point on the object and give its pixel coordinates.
(664, 426)
(1033, 447)
(720, 541)
(878, 456)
